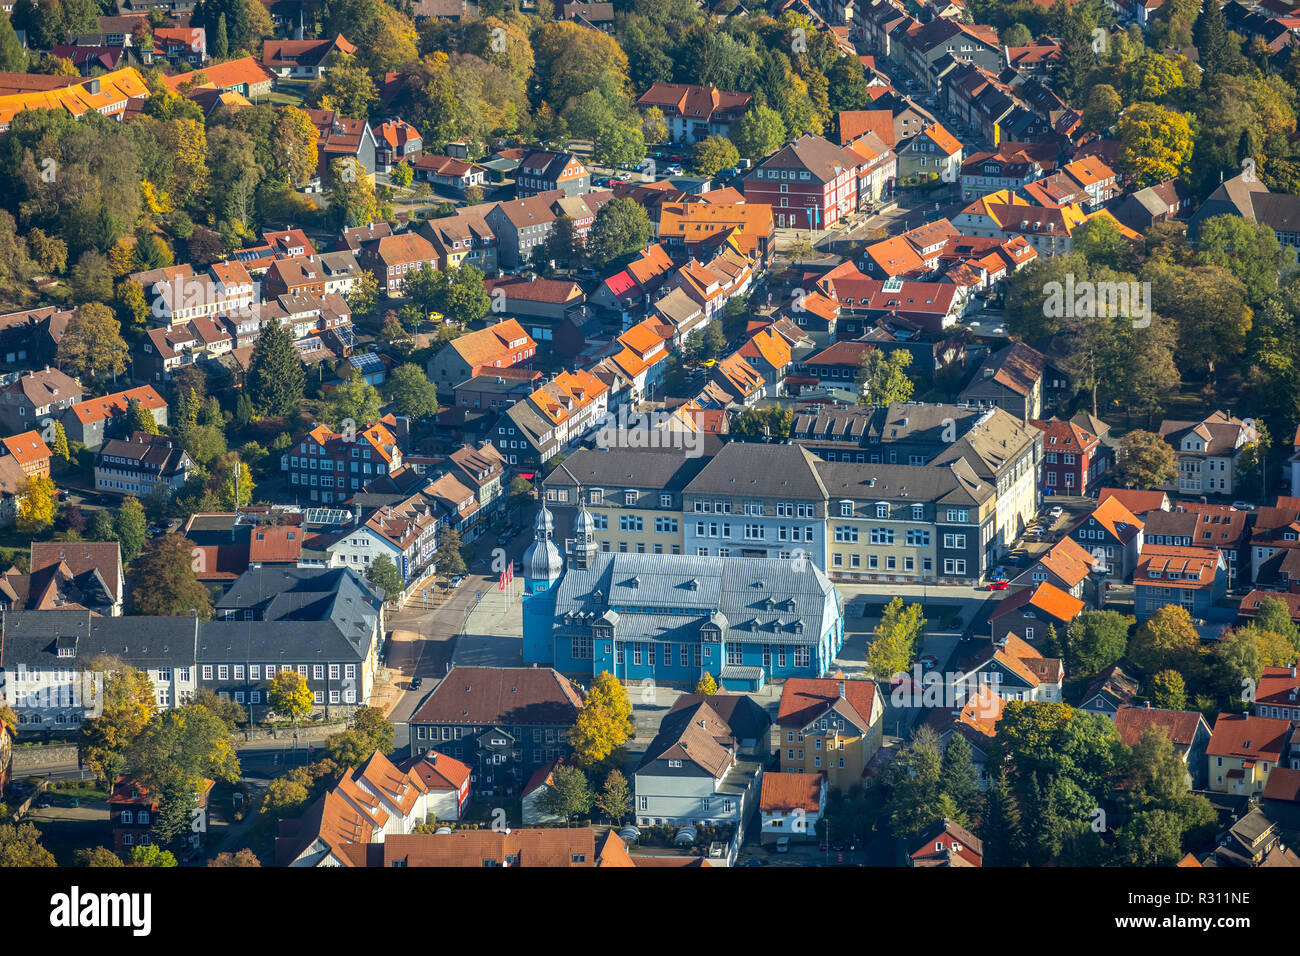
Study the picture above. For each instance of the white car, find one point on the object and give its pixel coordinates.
(674, 170)
(1057, 512)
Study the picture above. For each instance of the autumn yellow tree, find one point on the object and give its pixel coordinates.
(1168, 640)
(296, 138)
(707, 685)
(36, 505)
(290, 696)
(604, 723)
(124, 699)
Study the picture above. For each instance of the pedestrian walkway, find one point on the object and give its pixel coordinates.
(494, 630)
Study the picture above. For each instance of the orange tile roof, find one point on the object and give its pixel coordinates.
(783, 792)
(1115, 518)
(1245, 736)
(246, 70)
(107, 406)
(74, 96)
(642, 337)
(1068, 560)
(496, 343)
(27, 448)
(275, 543)
(1136, 500)
(943, 139)
(1195, 567)
(1180, 725)
(770, 347)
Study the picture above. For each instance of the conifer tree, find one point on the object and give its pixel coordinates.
(275, 375)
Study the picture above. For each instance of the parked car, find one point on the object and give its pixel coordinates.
(1001, 585)
(456, 581)
(928, 662)
(416, 682)
(1057, 511)
(673, 170)
(1243, 506)
(783, 845)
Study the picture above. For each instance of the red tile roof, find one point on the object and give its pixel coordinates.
(783, 792)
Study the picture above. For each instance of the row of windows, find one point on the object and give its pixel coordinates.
(224, 671)
(891, 562)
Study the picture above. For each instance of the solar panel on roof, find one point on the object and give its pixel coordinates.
(327, 516)
(366, 362)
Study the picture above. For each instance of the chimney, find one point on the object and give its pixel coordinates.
(841, 690)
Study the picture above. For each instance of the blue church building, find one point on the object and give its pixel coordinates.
(672, 618)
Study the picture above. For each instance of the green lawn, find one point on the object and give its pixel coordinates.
(937, 616)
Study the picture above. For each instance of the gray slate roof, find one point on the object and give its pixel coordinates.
(739, 588)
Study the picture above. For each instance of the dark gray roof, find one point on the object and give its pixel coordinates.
(949, 484)
(754, 469)
(663, 469)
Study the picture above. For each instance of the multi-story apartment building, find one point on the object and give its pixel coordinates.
(901, 523)
(1073, 457)
(1208, 452)
(503, 345)
(693, 112)
(141, 465)
(829, 726)
(504, 722)
(757, 501)
(634, 494)
(331, 467)
(810, 183)
(543, 170)
(326, 624)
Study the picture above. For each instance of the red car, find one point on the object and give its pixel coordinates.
(999, 585)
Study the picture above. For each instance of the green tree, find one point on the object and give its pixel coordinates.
(125, 708)
(913, 783)
(1274, 615)
(1001, 832)
(21, 846)
(383, 574)
(221, 39)
(345, 86)
(897, 639)
(622, 227)
(411, 392)
(165, 582)
(448, 558)
(959, 779)
(101, 527)
(130, 528)
(375, 729)
(229, 711)
(1235, 663)
(1248, 250)
(615, 798)
(758, 132)
(138, 418)
(97, 856)
(363, 299)
(355, 399)
(569, 794)
(1169, 690)
(275, 374)
(713, 154)
(151, 856)
(1096, 639)
(1146, 460)
(12, 57)
(183, 747)
(1152, 837)
(883, 379)
(92, 345)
